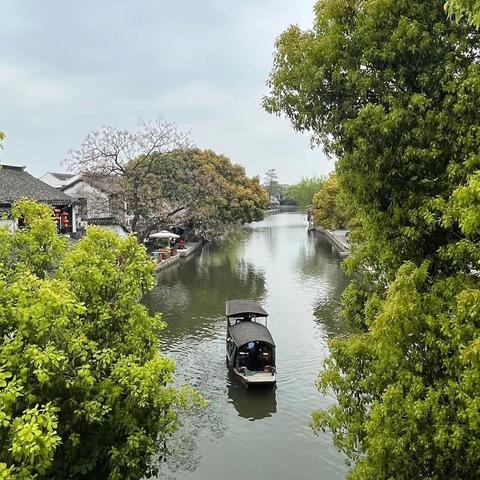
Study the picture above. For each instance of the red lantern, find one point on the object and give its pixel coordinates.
(65, 219)
(56, 212)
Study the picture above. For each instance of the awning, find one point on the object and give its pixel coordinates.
(244, 332)
(164, 234)
(236, 308)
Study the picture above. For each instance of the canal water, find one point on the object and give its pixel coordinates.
(254, 434)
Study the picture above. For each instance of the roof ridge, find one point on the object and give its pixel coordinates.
(13, 167)
(17, 183)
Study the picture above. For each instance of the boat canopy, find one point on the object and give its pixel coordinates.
(236, 308)
(244, 332)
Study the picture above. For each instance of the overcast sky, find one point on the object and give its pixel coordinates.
(67, 68)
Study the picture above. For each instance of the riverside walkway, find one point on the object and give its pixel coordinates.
(338, 239)
(187, 251)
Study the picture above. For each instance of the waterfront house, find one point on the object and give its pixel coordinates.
(16, 184)
(100, 201)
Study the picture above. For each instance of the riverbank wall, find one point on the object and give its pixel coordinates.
(281, 209)
(337, 238)
(189, 249)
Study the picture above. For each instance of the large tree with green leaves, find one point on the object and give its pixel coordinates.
(464, 8)
(84, 391)
(303, 191)
(192, 187)
(385, 87)
(392, 89)
(166, 182)
(328, 210)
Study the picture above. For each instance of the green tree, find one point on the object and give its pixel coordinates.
(193, 187)
(302, 192)
(166, 182)
(328, 210)
(233, 199)
(382, 92)
(84, 391)
(392, 90)
(271, 183)
(407, 389)
(464, 8)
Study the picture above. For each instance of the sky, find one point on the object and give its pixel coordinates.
(67, 68)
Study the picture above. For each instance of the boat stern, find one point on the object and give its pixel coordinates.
(258, 378)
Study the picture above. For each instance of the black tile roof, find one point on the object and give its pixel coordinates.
(16, 183)
(107, 221)
(103, 221)
(62, 176)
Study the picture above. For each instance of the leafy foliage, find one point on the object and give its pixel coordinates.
(385, 86)
(193, 187)
(407, 389)
(303, 192)
(166, 182)
(392, 89)
(328, 210)
(464, 8)
(84, 391)
(38, 247)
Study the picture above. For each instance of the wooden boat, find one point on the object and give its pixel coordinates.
(250, 346)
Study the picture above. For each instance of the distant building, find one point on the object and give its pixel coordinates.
(56, 180)
(100, 201)
(17, 184)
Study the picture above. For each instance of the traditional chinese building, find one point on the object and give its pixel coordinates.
(100, 201)
(17, 184)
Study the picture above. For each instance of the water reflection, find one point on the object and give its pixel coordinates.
(297, 278)
(317, 266)
(252, 403)
(316, 258)
(193, 295)
(327, 312)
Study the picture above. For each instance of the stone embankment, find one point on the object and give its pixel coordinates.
(337, 238)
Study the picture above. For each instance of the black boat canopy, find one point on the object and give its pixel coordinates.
(236, 308)
(244, 332)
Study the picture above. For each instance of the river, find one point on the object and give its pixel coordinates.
(254, 434)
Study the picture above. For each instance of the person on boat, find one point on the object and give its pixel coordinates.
(260, 359)
(252, 356)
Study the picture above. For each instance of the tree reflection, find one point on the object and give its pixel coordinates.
(317, 264)
(192, 295)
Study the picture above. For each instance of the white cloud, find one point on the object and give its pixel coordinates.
(24, 88)
(202, 65)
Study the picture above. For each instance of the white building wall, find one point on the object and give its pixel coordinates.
(53, 181)
(10, 224)
(98, 204)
